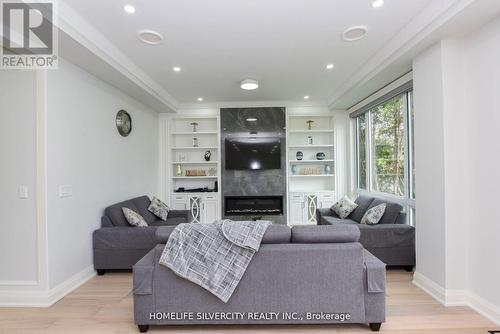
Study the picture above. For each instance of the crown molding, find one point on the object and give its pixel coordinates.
(77, 28)
(433, 17)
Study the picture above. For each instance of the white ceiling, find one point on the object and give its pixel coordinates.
(285, 44)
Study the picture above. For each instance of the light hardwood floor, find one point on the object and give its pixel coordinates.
(104, 305)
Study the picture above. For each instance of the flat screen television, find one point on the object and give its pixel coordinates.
(253, 153)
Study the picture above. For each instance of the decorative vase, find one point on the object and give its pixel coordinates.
(320, 156)
(195, 141)
(207, 155)
(294, 169)
(328, 169)
(299, 155)
(178, 170)
(309, 140)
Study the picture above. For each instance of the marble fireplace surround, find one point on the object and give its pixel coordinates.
(271, 122)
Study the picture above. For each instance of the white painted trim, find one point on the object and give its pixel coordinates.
(385, 90)
(430, 287)
(85, 34)
(18, 283)
(45, 298)
(430, 19)
(451, 298)
(188, 107)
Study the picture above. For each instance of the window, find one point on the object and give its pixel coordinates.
(384, 148)
(388, 147)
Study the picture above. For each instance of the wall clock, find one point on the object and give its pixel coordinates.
(123, 123)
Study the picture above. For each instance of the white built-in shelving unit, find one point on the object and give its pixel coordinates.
(311, 182)
(186, 151)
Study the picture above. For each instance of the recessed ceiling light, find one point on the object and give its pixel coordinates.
(249, 84)
(200, 99)
(176, 69)
(129, 9)
(150, 37)
(251, 119)
(330, 66)
(354, 33)
(306, 97)
(378, 3)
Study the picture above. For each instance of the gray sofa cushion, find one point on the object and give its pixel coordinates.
(275, 234)
(388, 235)
(363, 203)
(125, 238)
(391, 213)
(142, 203)
(330, 220)
(169, 222)
(139, 204)
(338, 233)
(115, 212)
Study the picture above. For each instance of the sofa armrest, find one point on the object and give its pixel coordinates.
(324, 212)
(121, 237)
(143, 275)
(401, 219)
(106, 222)
(181, 214)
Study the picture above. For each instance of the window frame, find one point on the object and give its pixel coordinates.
(407, 200)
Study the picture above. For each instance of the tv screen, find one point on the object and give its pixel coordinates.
(253, 153)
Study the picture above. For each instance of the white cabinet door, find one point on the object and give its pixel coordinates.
(195, 208)
(326, 201)
(297, 210)
(311, 206)
(209, 209)
(180, 202)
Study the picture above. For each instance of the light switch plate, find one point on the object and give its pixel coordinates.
(66, 190)
(22, 192)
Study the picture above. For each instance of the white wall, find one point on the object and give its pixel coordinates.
(18, 242)
(86, 152)
(429, 165)
(482, 70)
(456, 84)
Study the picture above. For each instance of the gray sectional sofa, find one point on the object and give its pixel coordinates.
(391, 240)
(117, 245)
(303, 275)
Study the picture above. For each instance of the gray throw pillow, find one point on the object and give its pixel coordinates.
(134, 218)
(159, 209)
(344, 207)
(373, 215)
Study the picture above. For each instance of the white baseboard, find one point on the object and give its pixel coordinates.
(432, 288)
(458, 298)
(45, 298)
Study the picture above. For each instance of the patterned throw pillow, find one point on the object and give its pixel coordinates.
(344, 207)
(134, 218)
(373, 215)
(159, 209)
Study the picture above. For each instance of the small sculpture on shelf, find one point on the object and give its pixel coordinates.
(178, 170)
(195, 126)
(328, 169)
(320, 156)
(294, 169)
(309, 140)
(207, 155)
(309, 124)
(195, 141)
(299, 155)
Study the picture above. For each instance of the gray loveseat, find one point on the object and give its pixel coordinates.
(117, 245)
(303, 275)
(391, 240)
